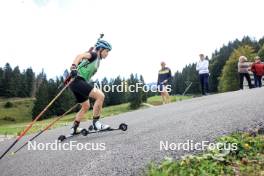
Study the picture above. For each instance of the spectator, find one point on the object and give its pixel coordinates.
(243, 68)
(163, 80)
(258, 69)
(202, 68)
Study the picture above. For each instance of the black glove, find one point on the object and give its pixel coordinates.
(74, 71)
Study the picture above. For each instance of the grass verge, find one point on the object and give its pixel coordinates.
(14, 119)
(246, 160)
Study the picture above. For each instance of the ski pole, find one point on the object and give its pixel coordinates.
(38, 116)
(46, 128)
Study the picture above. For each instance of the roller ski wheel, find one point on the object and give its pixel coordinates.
(61, 138)
(123, 127)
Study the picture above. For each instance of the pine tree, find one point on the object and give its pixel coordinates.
(125, 92)
(46, 92)
(144, 94)
(190, 76)
(52, 91)
(261, 53)
(261, 42)
(1, 82)
(64, 102)
(104, 84)
(40, 77)
(41, 99)
(30, 79)
(218, 61)
(116, 96)
(135, 97)
(23, 85)
(8, 86)
(177, 83)
(16, 82)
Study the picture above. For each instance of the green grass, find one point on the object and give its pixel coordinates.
(247, 160)
(14, 128)
(157, 100)
(18, 115)
(20, 112)
(13, 120)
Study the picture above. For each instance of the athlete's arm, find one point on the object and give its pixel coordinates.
(79, 58)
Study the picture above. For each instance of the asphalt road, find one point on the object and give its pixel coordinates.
(128, 153)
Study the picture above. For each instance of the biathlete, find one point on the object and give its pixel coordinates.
(84, 66)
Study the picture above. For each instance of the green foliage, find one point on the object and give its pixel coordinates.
(21, 114)
(64, 102)
(181, 80)
(42, 100)
(13, 83)
(135, 96)
(29, 82)
(104, 83)
(157, 100)
(1, 81)
(8, 85)
(247, 159)
(229, 79)
(8, 118)
(116, 95)
(248, 146)
(13, 120)
(46, 92)
(143, 94)
(177, 83)
(261, 53)
(261, 41)
(220, 57)
(190, 75)
(8, 104)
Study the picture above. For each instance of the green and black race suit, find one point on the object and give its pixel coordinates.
(87, 68)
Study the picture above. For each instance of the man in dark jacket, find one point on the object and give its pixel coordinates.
(163, 79)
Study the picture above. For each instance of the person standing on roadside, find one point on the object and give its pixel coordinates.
(202, 68)
(258, 69)
(163, 80)
(243, 68)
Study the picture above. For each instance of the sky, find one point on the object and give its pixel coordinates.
(49, 34)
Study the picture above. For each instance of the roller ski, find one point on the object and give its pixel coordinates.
(79, 131)
(96, 127)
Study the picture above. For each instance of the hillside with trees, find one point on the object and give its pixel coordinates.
(223, 77)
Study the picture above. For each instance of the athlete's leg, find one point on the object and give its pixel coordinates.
(99, 96)
(83, 110)
(85, 107)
